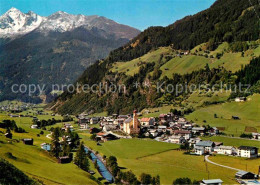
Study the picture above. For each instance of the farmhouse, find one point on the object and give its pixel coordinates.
(245, 175)
(225, 150)
(247, 151)
(204, 147)
(211, 182)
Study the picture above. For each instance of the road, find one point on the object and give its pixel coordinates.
(209, 161)
(48, 136)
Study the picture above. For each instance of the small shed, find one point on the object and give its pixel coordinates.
(63, 160)
(9, 135)
(28, 141)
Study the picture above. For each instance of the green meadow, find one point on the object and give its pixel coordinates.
(248, 112)
(132, 67)
(38, 164)
(158, 158)
(187, 63)
(245, 164)
(34, 161)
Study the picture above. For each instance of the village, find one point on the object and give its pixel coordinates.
(168, 128)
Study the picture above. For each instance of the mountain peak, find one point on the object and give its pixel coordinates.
(13, 9)
(15, 22)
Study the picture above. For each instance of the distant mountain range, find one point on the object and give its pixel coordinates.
(54, 49)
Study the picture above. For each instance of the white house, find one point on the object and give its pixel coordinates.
(247, 151)
(176, 139)
(84, 126)
(203, 147)
(108, 128)
(225, 150)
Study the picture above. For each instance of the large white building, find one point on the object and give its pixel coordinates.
(225, 150)
(247, 151)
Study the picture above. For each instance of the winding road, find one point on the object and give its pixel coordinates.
(209, 161)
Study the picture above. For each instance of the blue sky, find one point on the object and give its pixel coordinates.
(136, 13)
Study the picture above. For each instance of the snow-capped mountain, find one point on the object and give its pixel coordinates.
(54, 49)
(14, 22)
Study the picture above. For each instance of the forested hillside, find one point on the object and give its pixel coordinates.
(216, 39)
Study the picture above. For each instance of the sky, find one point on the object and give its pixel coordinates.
(140, 14)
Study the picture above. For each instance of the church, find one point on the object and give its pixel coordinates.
(132, 125)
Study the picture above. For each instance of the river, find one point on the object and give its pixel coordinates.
(102, 168)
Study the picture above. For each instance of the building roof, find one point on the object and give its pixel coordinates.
(204, 143)
(198, 128)
(145, 119)
(225, 147)
(242, 173)
(128, 120)
(181, 132)
(246, 148)
(212, 181)
(162, 115)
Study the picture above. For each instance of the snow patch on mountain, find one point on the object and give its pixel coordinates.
(15, 22)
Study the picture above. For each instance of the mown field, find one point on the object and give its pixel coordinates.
(251, 165)
(186, 64)
(157, 158)
(248, 112)
(132, 67)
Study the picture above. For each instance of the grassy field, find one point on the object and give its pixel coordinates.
(157, 158)
(251, 165)
(132, 67)
(155, 112)
(197, 99)
(186, 64)
(247, 111)
(36, 162)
